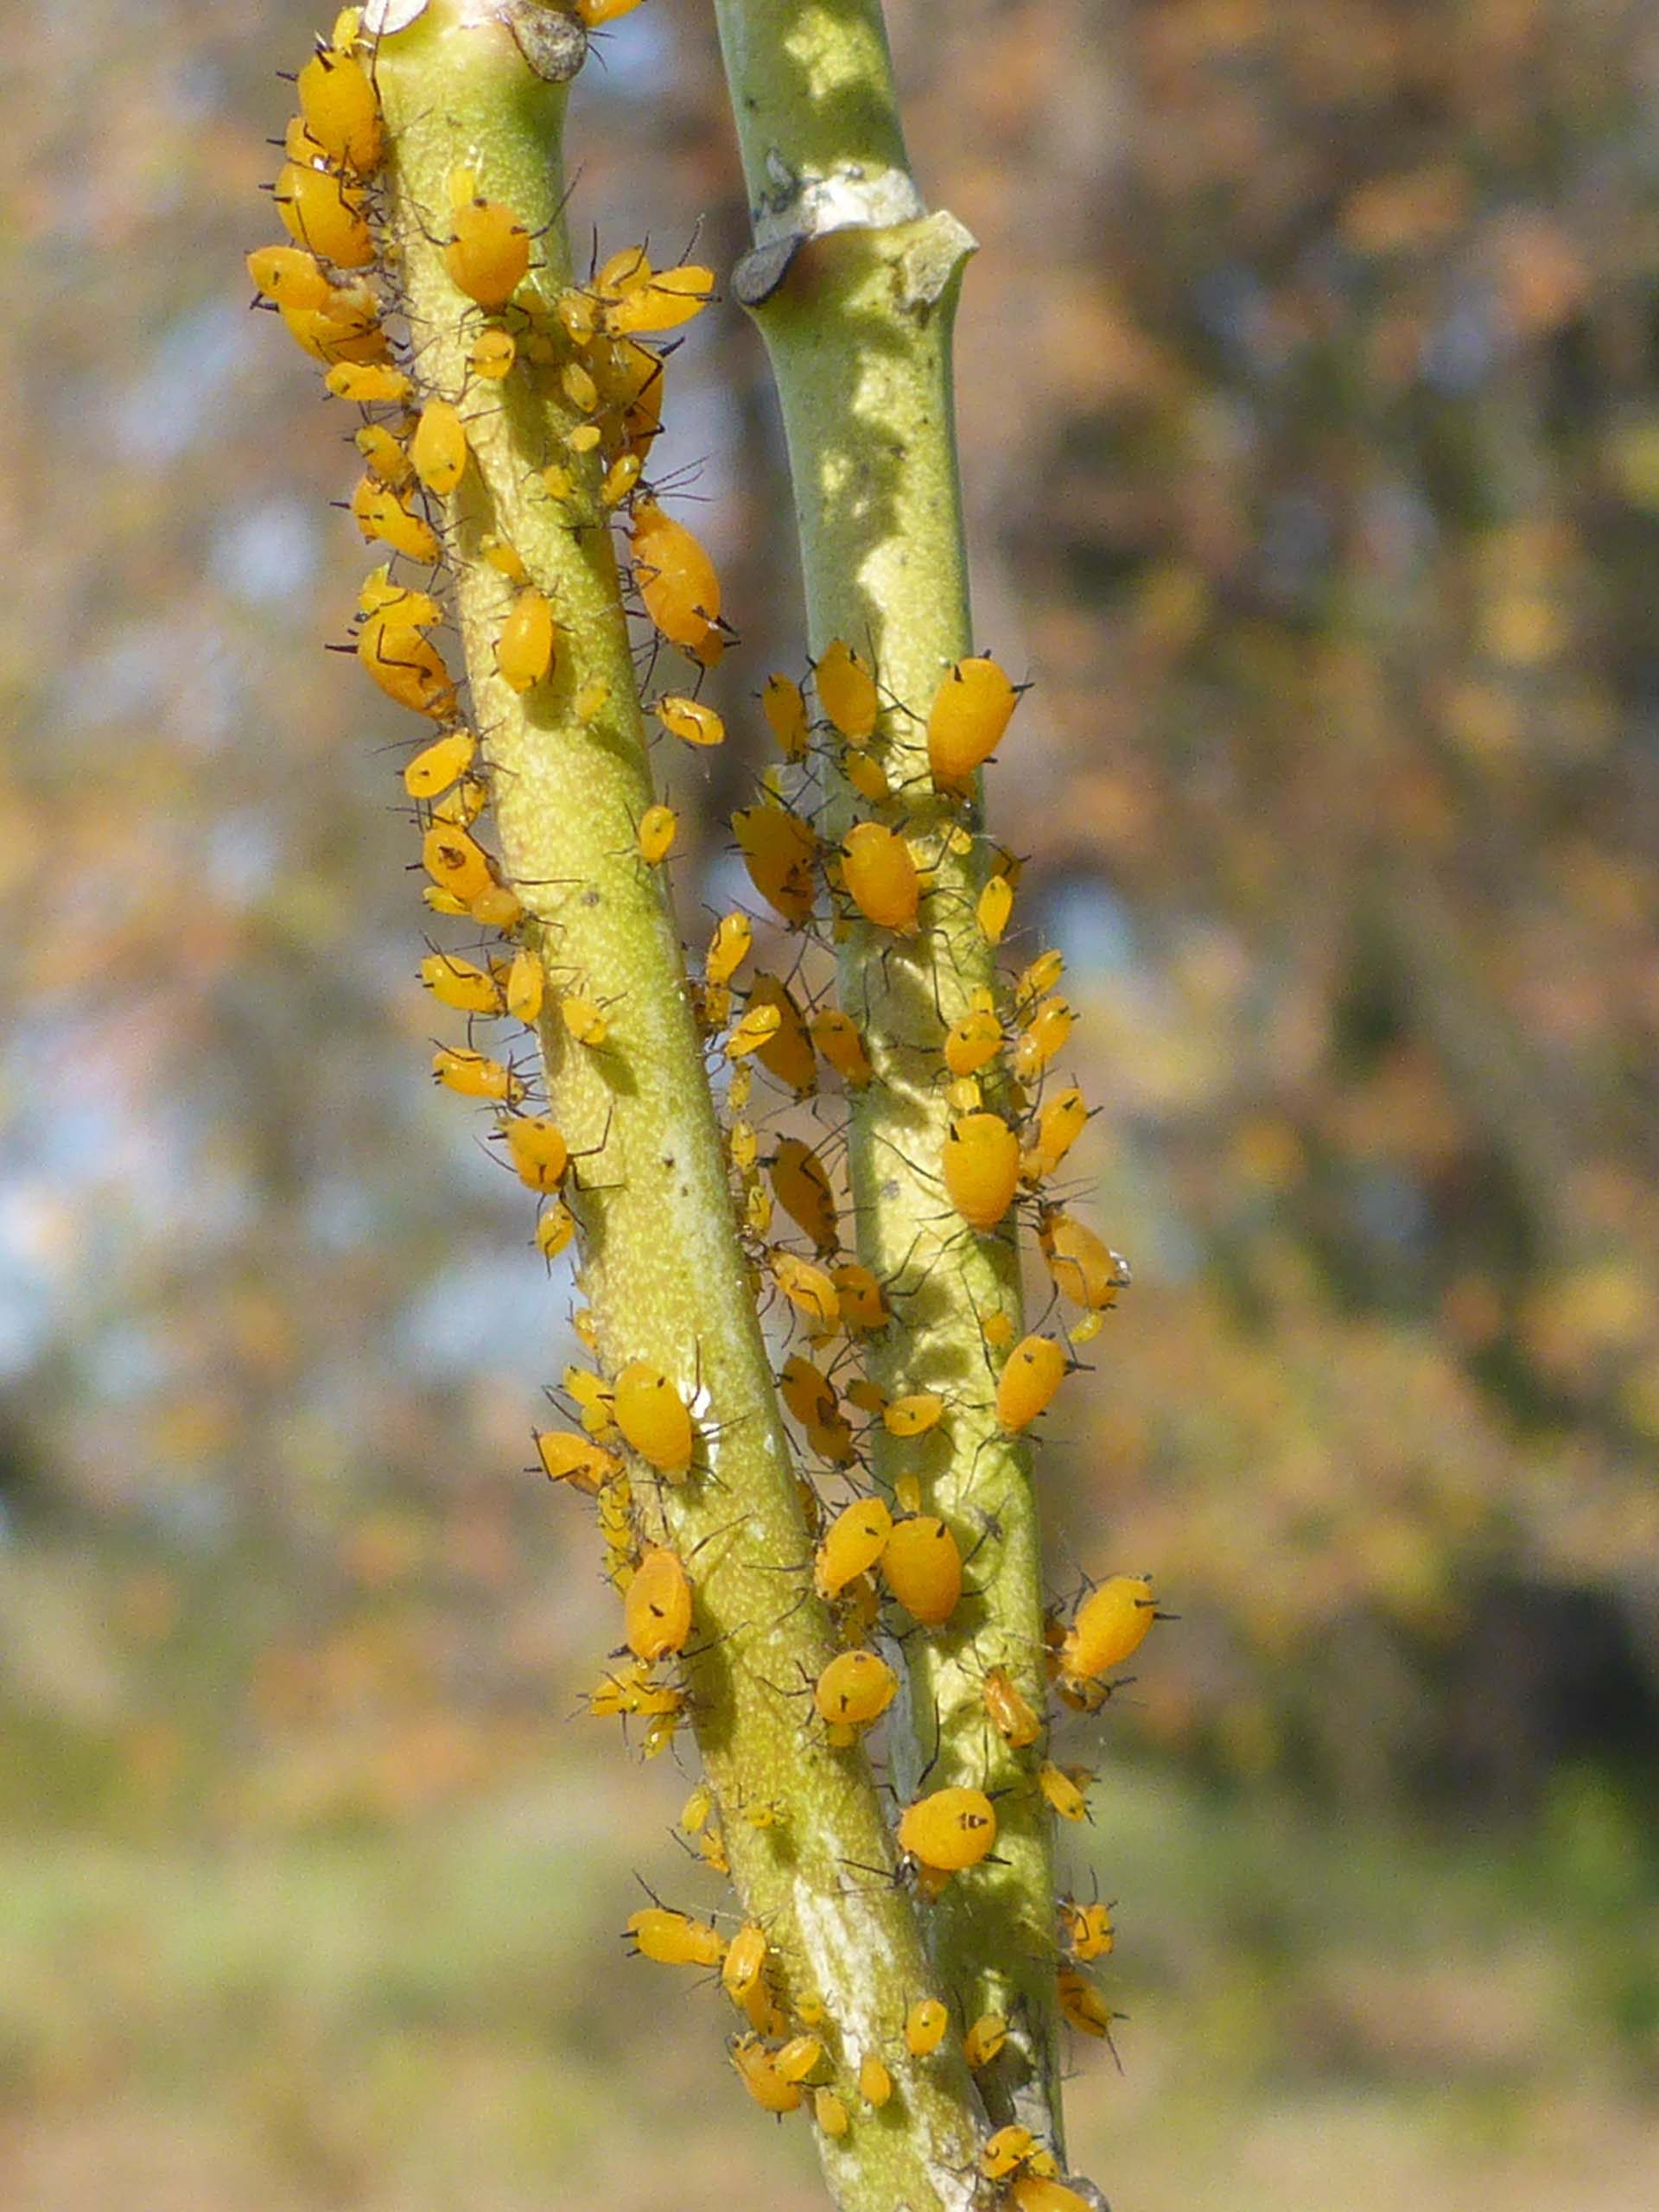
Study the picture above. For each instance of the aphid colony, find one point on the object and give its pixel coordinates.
(884, 1566)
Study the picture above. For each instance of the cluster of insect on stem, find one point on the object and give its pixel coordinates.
(885, 1568)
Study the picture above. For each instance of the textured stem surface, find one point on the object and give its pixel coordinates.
(662, 1268)
(854, 290)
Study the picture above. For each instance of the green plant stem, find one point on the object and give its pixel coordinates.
(855, 291)
(662, 1266)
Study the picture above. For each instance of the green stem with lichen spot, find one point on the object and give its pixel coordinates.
(855, 291)
(662, 1264)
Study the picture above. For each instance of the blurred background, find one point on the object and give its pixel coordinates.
(1311, 435)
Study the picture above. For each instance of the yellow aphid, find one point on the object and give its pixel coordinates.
(921, 1564)
(345, 327)
(678, 583)
(673, 1939)
(595, 1401)
(341, 110)
(994, 909)
(555, 1229)
(743, 1143)
(1086, 1929)
(621, 481)
(438, 448)
(504, 556)
(592, 699)
(474, 1074)
(586, 1020)
(852, 1545)
(761, 2078)
(654, 1418)
(972, 1042)
(832, 1440)
(623, 272)
(488, 257)
(689, 719)
(785, 708)
(1006, 2151)
(1011, 1713)
(491, 355)
(455, 860)
(526, 985)
(949, 1831)
(997, 1329)
(381, 514)
(1042, 1036)
(1082, 2005)
(368, 383)
(711, 1849)
(779, 851)
(847, 692)
(694, 1815)
(458, 984)
(1065, 1796)
(912, 1415)
(297, 279)
(595, 12)
(1059, 1125)
(757, 1210)
(862, 1307)
(1084, 1269)
(462, 806)
(854, 1690)
(984, 2039)
(656, 1607)
(667, 299)
(981, 1166)
(437, 765)
(907, 1491)
(806, 1390)
(384, 457)
(802, 1188)
(874, 2082)
(579, 388)
(1039, 977)
(809, 1289)
(830, 2113)
(538, 1151)
(524, 653)
(658, 826)
(567, 1458)
(867, 777)
(1112, 1624)
(1042, 2193)
(969, 713)
(745, 1963)
(407, 665)
(497, 908)
(557, 482)
(881, 878)
(755, 1028)
(378, 598)
(787, 1054)
(924, 2027)
(323, 212)
(964, 1094)
(1035, 1369)
(729, 948)
(835, 1036)
(798, 2056)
